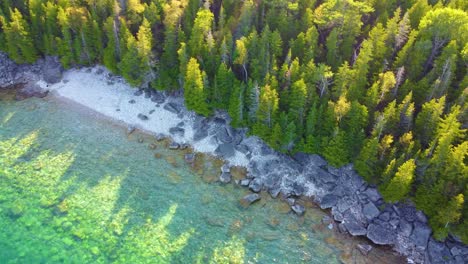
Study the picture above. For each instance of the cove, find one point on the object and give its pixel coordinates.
(76, 188)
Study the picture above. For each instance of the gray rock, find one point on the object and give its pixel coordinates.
(200, 134)
(245, 182)
(130, 129)
(405, 228)
(385, 216)
(364, 248)
(420, 235)
(177, 131)
(251, 198)
(344, 204)
(298, 209)
(189, 157)
(274, 192)
(381, 234)
(30, 90)
(373, 194)
(52, 70)
(132, 101)
(328, 201)
(353, 226)
(342, 228)
(330, 226)
(174, 145)
(242, 148)
(225, 177)
(438, 253)
(225, 168)
(370, 211)
(143, 117)
(255, 185)
(225, 150)
(138, 92)
(157, 97)
(223, 136)
(291, 201)
(160, 137)
(173, 108)
(421, 217)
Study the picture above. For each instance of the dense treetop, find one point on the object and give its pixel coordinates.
(381, 83)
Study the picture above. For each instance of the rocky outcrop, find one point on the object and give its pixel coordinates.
(48, 69)
(30, 90)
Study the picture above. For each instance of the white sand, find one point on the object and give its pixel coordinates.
(95, 91)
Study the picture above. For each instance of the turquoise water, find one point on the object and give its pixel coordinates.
(76, 189)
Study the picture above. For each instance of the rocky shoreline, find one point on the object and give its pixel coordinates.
(356, 207)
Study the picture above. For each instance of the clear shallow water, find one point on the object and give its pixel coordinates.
(77, 189)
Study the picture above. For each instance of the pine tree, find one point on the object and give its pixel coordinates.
(236, 106)
(194, 94)
(401, 183)
(19, 42)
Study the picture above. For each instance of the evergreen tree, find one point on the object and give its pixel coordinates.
(18, 38)
(401, 183)
(194, 94)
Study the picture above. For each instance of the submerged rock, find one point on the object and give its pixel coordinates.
(174, 145)
(225, 177)
(364, 248)
(298, 209)
(251, 198)
(190, 157)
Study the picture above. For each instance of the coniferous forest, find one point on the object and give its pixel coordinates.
(380, 83)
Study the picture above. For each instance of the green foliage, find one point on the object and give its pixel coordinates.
(193, 89)
(401, 183)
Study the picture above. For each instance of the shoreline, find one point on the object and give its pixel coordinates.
(356, 207)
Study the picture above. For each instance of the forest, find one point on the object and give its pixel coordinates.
(380, 83)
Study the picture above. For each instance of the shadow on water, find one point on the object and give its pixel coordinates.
(58, 202)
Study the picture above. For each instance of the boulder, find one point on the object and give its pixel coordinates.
(385, 216)
(225, 168)
(251, 198)
(353, 226)
(143, 117)
(242, 148)
(370, 211)
(225, 177)
(200, 134)
(157, 97)
(225, 150)
(52, 70)
(189, 157)
(132, 101)
(373, 194)
(245, 182)
(438, 253)
(298, 209)
(30, 90)
(420, 235)
(328, 201)
(421, 217)
(138, 92)
(173, 108)
(405, 228)
(130, 129)
(255, 185)
(223, 136)
(174, 145)
(381, 234)
(364, 248)
(177, 131)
